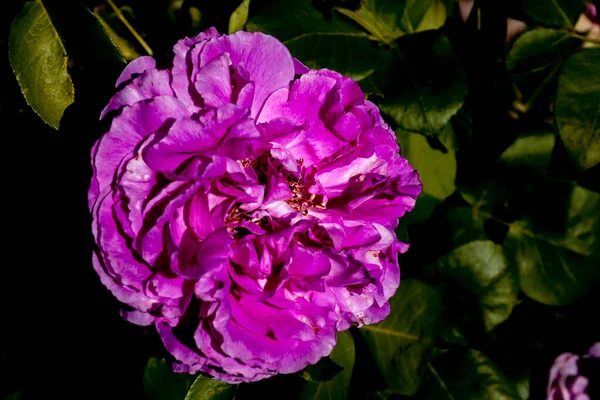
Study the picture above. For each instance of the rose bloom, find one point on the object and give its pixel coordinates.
(246, 205)
(567, 382)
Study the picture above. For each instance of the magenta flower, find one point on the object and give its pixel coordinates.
(591, 12)
(566, 381)
(246, 205)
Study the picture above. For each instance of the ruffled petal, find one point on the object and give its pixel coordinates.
(186, 138)
(136, 67)
(213, 82)
(152, 83)
(126, 132)
(182, 68)
(268, 62)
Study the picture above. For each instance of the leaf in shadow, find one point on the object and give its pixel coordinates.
(558, 262)
(427, 82)
(479, 272)
(578, 107)
(539, 49)
(320, 43)
(338, 387)
(322, 371)
(467, 375)
(401, 343)
(161, 383)
(559, 13)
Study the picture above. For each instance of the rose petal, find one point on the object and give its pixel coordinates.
(136, 67)
(213, 82)
(268, 62)
(152, 83)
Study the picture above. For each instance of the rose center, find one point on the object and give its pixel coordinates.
(301, 200)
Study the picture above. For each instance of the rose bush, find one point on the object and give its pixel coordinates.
(246, 205)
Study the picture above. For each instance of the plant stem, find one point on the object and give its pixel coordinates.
(572, 33)
(440, 381)
(137, 36)
(541, 86)
(584, 38)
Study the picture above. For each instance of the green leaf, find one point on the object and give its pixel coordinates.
(522, 386)
(467, 375)
(453, 335)
(205, 388)
(388, 20)
(481, 197)
(437, 170)
(319, 43)
(578, 107)
(428, 83)
(424, 209)
(124, 47)
(559, 13)
(414, 13)
(379, 17)
(338, 387)
(322, 371)
(466, 226)
(39, 61)
(160, 383)
(370, 87)
(556, 267)
(401, 343)
(481, 271)
(540, 49)
(553, 230)
(435, 16)
(531, 152)
(239, 17)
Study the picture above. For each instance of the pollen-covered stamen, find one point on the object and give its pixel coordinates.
(236, 215)
(302, 200)
(259, 164)
(246, 163)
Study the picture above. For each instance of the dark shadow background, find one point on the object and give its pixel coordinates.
(61, 335)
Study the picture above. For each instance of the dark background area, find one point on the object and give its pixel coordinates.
(61, 335)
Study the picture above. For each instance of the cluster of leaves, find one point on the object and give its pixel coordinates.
(504, 238)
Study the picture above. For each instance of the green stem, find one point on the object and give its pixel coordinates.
(541, 86)
(440, 381)
(137, 36)
(487, 215)
(584, 38)
(572, 33)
